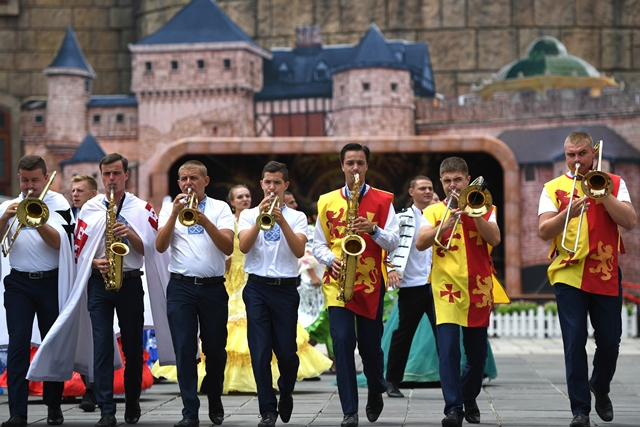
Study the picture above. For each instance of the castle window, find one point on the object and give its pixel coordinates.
(227, 63)
(96, 118)
(321, 73)
(148, 66)
(119, 118)
(284, 74)
(38, 119)
(529, 173)
(394, 87)
(366, 86)
(341, 90)
(251, 70)
(400, 54)
(2, 122)
(174, 65)
(200, 63)
(87, 85)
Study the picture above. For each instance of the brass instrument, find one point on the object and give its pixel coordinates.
(31, 212)
(474, 199)
(596, 185)
(115, 250)
(352, 246)
(188, 216)
(265, 219)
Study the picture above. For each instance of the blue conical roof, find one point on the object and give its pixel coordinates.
(89, 151)
(70, 55)
(373, 51)
(200, 21)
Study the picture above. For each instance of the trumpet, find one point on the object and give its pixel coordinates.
(188, 216)
(596, 185)
(31, 212)
(474, 199)
(265, 219)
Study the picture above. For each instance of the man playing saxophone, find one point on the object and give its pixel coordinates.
(376, 223)
(38, 284)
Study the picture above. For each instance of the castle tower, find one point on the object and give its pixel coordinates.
(372, 93)
(85, 160)
(69, 89)
(197, 76)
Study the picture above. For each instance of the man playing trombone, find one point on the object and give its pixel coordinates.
(585, 273)
(462, 233)
(39, 282)
(193, 226)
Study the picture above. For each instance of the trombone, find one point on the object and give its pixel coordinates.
(474, 199)
(265, 219)
(595, 185)
(188, 216)
(31, 212)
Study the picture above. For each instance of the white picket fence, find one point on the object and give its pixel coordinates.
(538, 324)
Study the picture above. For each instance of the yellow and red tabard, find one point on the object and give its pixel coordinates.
(462, 278)
(594, 266)
(332, 214)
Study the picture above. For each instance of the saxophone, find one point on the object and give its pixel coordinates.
(352, 246)
(115, 250)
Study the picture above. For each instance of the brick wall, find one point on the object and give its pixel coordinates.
(66, 108)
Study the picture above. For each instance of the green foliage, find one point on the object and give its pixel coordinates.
(516, 307)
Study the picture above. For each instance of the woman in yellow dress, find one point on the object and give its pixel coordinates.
(238, 373)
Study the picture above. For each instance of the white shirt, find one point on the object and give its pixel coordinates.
(29, 252)
(546, 204)
(193, 253)
(386, 238)
(418, 267)
(270, 255)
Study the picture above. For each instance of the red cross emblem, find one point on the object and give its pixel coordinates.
(449, 292)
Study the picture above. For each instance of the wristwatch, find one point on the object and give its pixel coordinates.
(374, 231)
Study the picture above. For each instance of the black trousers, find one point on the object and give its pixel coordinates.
(413, 303)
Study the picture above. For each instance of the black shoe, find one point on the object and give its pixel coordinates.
(188, 422)
(349, 420)
(472, 413)
(107, 420)
(268, 420)
(15, 421)
(580, 420)
(453, 419)
(604, 408)
(89, 402)
(131, 411)
(374, 406)
(216, 410)
(285, 407)
(54, 416)
(393, 390)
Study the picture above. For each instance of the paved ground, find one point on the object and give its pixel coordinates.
(530, 391)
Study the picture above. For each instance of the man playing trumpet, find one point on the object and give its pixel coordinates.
(273, 237)
(589, 281)
(196, 294)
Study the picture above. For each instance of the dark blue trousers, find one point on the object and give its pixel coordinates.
(128, 303)
(604, 311)
(272, 319)
(346, 329)
(189, 306)
(461, 389)
(413, 303)
(24, 299)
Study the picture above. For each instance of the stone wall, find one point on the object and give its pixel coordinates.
(469, 39)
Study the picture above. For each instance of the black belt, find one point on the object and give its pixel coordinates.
(125, 274)
(35, 275)
(199, 280)
(273, 281)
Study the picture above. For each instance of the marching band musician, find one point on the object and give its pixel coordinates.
(462, 284)
(378, 225)
(270, 296)
(196, 295)
(135, 223)
(589, 281)
(38, 284)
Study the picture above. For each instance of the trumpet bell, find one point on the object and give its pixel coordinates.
(188, 217)
(32, 212)
(597, 185)
(265, 221)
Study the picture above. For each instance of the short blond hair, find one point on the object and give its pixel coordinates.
(91, 181)
(578, 137)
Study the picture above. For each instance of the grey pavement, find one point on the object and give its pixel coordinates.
(530, 391)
